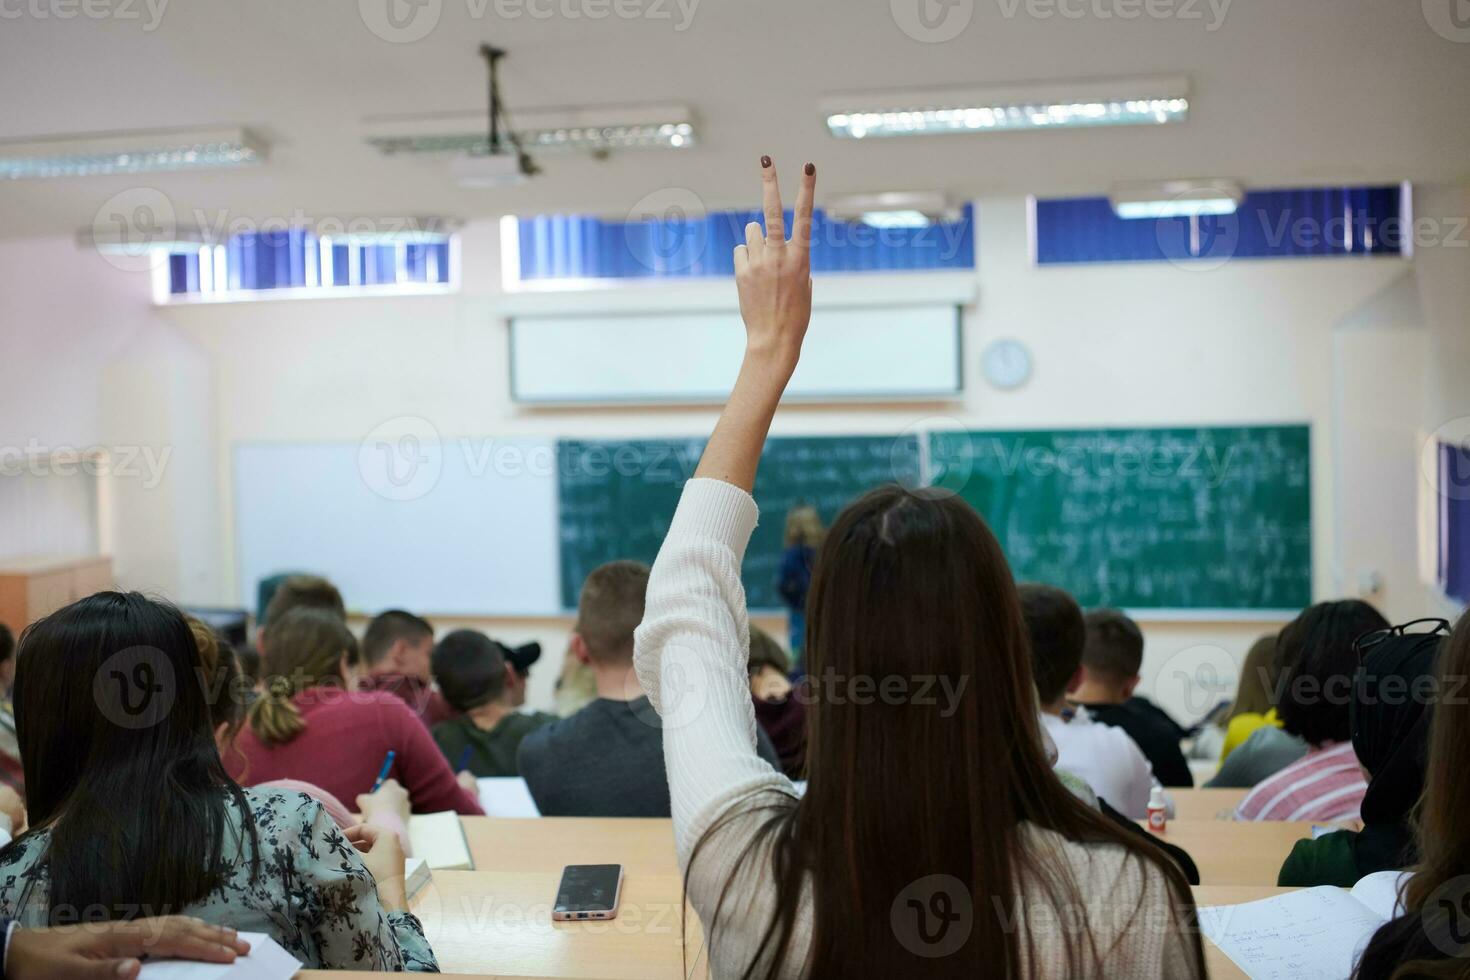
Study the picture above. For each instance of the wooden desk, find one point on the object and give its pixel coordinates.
(1206, 804)
(549, 843)
(1231, 853)
(1220, 966)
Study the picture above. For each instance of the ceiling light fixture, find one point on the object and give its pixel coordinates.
(105, 154)
(893, 209)
(609, 128)
(1176, 198)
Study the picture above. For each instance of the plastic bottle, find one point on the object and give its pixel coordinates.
(1157, 816)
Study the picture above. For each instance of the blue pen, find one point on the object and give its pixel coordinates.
(464, 760)
(383, 772)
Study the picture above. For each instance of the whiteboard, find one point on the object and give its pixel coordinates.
(404, 519)
(850, 354)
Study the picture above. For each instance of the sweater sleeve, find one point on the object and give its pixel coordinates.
(424, 771)
(691, 653)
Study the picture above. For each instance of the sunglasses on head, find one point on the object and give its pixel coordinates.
(1431, 626)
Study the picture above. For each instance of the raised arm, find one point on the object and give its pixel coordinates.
(774, 279)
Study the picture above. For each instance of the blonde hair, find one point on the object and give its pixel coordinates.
(303, 649)
(804, 526)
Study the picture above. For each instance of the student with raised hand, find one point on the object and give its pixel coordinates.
(1431, 938)
(131, 808)
(1326, 783)
(479, 680)
(1102, 756)
(310, 725)
(1111, 660)
(908, 585)
(1392, 707)
(396, 650)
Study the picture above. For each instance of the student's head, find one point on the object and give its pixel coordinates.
(803, 527)
(1054, 623)
(1113, 654)
(768, 666)
(1256, 691)
(1317, 655)
(7, 658)
(117, 742)
(609, 610)
(305, 648)
(472, 671)
(518, 661)
(226, 690)
(309, 591)
(398, 642)
(924, 751)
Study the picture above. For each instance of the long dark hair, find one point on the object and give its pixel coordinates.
(120, 761)
(1316, 654)
(914, 585)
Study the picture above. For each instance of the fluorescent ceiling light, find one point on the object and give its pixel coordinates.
(1176, 198)
(607, 128)
(130, 153)
(1116, 102)
(892, 209)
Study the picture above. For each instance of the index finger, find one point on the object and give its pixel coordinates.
(771, 202)
(801, 218)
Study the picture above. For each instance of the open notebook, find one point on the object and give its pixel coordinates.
(1312, 934)
(438, 838)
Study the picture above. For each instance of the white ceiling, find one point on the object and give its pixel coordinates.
(1285, 92)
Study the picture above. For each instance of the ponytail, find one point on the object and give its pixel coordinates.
(273, 716)
(303, 649)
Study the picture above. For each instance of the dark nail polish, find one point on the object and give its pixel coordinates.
(765, 161)
(811, 168)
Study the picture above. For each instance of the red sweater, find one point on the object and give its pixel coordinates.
(347, 736)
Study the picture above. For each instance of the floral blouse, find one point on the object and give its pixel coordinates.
(314, 895)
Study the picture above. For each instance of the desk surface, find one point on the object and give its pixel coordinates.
(1231, 853)
(1206, 804)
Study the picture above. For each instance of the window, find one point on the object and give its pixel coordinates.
(1300, 223)
(1454, 520)
(296, 262)
(555, 249)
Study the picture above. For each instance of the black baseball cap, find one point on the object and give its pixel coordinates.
(521, 657)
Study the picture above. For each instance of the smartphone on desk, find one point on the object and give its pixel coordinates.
(588, 891)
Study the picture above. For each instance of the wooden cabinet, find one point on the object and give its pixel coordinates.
(32, 587)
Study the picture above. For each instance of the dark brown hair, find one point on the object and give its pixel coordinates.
(913, 584)
(766, 652)
(610, 609)
(1317, 655)
(1114, 647)
(1054, 624)
(387, 628)
(310, 591)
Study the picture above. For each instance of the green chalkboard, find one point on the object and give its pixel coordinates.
(616, 498)
(1188, 518)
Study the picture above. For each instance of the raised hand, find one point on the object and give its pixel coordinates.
(773, 275)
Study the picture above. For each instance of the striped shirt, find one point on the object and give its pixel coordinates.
(1325, 784)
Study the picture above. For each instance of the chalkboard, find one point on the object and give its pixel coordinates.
(616, 498)
(1185, 518)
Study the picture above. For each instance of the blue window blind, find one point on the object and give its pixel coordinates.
(1454, 520)
(588, 247)
(1300, 223)
(296, 259)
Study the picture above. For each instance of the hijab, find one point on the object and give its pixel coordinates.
(1393, 696)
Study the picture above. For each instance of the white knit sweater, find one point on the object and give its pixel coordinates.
(691, 654)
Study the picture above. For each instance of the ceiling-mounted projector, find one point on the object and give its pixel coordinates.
(488, 170)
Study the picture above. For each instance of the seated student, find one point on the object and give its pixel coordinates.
(1111, 660)
(778, 709)
(477, 679)
(936, 802)
(12, 773)
(114, 950)
(1265, 750)
(1392, 710)
(1430, 938)
(607, 760)
(1104, 757)
(395, 652)
(110, 765)
(230, 693)
(309, 725)
(1253, 706)
(310, 591)
(1326, 783)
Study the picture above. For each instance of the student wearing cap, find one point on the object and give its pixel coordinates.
(486, 683)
